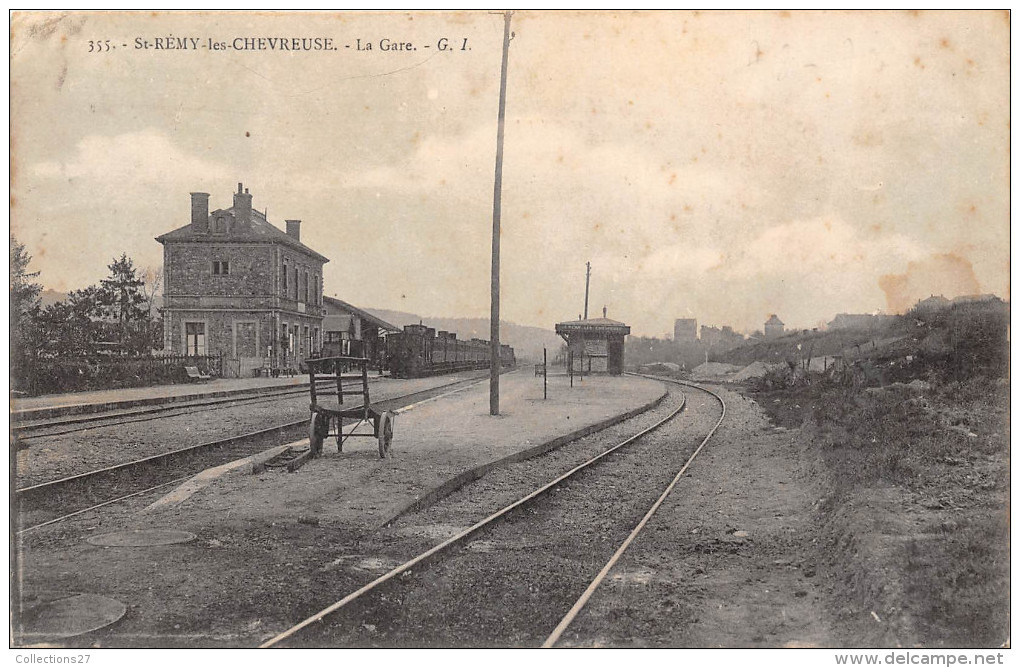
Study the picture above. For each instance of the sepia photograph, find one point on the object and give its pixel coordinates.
(500, 329)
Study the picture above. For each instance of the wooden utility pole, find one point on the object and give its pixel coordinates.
(494, 361)
(587, 280)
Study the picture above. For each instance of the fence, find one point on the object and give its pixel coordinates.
(64, 374)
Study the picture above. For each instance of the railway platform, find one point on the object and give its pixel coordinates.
(79, 403)
(438, 445)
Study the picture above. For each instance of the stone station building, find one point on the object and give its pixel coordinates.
(237, 286)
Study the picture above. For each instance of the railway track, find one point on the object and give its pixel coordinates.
(27, 430)
(53, 501)
(463, 568)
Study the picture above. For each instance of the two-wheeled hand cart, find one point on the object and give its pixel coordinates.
(351, 374)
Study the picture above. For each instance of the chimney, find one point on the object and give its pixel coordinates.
(294, 229)
(242, 203)
(200, 212)
(603, 311)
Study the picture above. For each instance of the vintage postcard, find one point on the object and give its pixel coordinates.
(511, 329)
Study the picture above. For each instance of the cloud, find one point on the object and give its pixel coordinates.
(664, 237)
(820, 246)
(143, 157)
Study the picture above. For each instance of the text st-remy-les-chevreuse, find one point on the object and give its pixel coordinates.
(174, 43)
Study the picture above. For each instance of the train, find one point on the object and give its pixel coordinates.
(420, 351)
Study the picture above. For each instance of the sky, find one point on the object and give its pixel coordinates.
(722, 166)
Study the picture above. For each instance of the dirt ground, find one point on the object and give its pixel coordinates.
(750, 550)
(268, 546)
(729, 559)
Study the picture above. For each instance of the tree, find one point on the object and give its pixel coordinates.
(24, 291)
(122, 298)
(152, 286)
(24, 312)
(151, 289)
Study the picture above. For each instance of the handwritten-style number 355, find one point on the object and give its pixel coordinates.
(97, 46)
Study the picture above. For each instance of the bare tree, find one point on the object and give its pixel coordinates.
(152, 285)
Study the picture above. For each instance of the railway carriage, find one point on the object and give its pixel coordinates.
(421, 351)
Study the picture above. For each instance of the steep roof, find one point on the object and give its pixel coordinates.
(258, 228)
(364, 315)
(774, 320)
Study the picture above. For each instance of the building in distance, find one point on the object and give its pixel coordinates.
(774, 327)
(685, 330)
(720, 338)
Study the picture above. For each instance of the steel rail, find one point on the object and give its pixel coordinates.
(211, 444)
(584, 598)
(460, 537)
(152, 413)
(99, 505)
(465, 384)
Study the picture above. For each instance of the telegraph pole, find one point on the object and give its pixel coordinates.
(494, 358)
(587, 280)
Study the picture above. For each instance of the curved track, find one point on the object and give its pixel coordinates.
(431, 555)
(583, 600)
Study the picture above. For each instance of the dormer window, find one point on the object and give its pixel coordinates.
(220, 267)
(220, 225)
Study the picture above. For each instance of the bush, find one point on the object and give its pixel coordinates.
(59, 375)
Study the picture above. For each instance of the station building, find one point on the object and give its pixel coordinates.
(237, 286)
(595, 344)
(351, 331)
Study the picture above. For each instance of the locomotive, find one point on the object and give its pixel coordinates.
(421, 351)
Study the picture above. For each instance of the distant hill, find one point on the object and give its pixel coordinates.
(527, 341)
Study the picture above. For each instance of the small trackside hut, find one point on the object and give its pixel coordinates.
(594, 345)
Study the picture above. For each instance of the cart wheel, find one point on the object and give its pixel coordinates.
(385, 433)
(318, 426)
